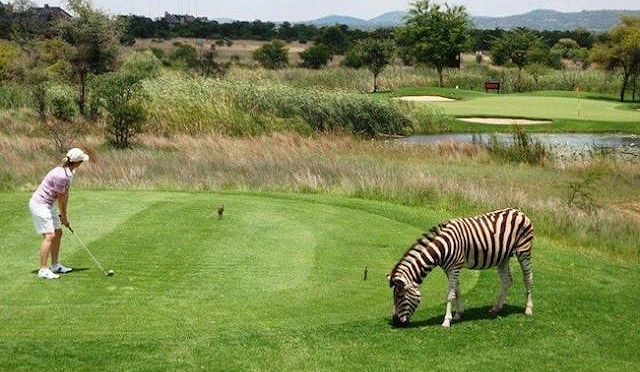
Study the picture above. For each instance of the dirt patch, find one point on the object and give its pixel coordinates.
(504, 121)
(631, 209)
(425, 99)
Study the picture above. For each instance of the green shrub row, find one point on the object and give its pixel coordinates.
(194, 104)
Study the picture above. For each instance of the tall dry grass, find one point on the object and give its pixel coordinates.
(464, 178)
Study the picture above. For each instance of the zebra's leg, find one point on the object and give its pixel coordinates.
(505, 282)
(451, 295)
(527, 274)
(459, 305)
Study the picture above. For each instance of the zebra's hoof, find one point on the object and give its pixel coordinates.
(446, 323)
(494, 311)
(528, 312)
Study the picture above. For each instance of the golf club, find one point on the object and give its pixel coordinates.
(106, 273)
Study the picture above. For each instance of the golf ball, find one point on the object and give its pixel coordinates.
(110, 272)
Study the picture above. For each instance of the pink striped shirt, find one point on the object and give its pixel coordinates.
(56, 182)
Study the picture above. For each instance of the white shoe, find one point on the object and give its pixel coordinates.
(59, 268)
(47, 274)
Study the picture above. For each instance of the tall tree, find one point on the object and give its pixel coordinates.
(622, 52)
(335, 37)
(516, 46)
(376, 55)
(435, 34)
(94, 38)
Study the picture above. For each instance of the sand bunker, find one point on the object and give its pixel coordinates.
(504, 121)
(425, 99)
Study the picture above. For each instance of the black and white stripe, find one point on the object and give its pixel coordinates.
(478, 242)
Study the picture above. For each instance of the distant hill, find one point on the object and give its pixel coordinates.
(331, 20)
(391, 19)
(542, 19)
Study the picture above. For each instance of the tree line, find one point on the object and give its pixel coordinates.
(137, 27)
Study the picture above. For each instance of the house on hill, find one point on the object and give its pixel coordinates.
(50, 13)
(41, 14)
(181, 19)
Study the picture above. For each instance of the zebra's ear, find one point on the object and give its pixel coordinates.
(397, 282)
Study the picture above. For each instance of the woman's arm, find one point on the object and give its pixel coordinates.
(62, 204)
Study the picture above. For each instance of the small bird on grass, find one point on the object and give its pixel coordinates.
(220, 211)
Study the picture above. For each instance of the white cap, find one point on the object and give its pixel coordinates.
(75, 155)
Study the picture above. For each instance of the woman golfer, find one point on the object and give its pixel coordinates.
(48, 220)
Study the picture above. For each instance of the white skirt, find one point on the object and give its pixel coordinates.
(45, 217)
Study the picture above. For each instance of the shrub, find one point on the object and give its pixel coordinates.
(9, 54)
(61, 102)
(273, 55)
(121, 95)
(428, 119)
(316, 56)
(14, 96)
(143, 65)
(580, 192)
(521, 149)
(207, 64)
(183, 57)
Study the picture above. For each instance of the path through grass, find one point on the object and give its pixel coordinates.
(277, 285)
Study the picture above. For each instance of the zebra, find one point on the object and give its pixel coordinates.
(478, 242)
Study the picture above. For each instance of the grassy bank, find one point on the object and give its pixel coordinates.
(464, 178)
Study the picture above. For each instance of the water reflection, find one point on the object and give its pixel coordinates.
(560, 144)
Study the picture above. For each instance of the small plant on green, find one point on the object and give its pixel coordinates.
(581, 192)
(522, 149)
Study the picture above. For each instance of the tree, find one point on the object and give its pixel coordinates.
(208, 66)
(316, 56)
(517, 46)
(121, 95)
(569, 49)
(335, 37)
(272, 55)
(94, 38)
(376, 55)
(621, 52)
(23, 25)
(434, 34)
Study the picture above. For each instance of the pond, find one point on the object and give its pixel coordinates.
(562, 145)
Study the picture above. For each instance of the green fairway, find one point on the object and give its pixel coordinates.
(541, 108)
(278, 285)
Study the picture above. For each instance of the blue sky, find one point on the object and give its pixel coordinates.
(302, 10)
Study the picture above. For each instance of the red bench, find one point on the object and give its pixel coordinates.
(492, 85)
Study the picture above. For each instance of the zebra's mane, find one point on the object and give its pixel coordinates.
(429, 236)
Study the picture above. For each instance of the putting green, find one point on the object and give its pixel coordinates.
(534, 107)
(278, 285)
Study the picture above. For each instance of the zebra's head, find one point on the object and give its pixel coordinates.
(406, 298)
